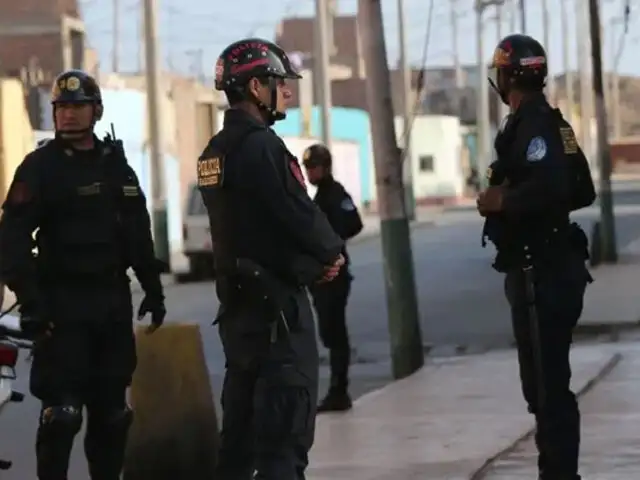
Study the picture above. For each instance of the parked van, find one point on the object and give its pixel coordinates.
(196, 239)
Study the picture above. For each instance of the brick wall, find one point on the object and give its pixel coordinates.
(16, 50)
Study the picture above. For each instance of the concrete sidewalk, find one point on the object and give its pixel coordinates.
(610, 416)
(611, 302)
(441, 423)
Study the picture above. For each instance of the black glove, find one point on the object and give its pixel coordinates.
(155, 306)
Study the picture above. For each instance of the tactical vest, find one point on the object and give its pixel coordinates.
(88, 229)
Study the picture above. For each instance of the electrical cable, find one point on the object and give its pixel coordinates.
(406, 134)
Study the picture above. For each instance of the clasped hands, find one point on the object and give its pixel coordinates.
(332, 271)
(490, 201)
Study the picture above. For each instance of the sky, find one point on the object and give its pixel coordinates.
(186, 26)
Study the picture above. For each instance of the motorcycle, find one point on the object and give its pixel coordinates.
(10, 345)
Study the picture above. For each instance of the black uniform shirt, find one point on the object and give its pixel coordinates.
(258, 205)
(338, 206)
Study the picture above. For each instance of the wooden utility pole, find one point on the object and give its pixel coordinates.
(607, 238)
(154, 114)
(407, 354)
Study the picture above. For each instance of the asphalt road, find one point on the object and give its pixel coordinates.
(461, 303)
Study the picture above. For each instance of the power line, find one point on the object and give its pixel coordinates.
(420, 84)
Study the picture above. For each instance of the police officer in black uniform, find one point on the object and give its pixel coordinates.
(330, 299)
(92, 224)
(540, 176)
(271, 242)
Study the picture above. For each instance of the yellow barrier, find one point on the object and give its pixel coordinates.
(174, 435)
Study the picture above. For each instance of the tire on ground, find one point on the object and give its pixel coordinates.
(175, 433)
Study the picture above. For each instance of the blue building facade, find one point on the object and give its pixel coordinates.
(347, 124)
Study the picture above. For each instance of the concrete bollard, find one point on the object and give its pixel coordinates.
(175, 433)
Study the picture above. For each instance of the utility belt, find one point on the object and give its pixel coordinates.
(81, 270)
(544, 248)
(243, 281)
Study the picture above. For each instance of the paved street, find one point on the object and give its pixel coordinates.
(461, 302)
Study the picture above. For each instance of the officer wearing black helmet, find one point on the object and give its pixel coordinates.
(539, 177)
(272, 242)
(92, 224)
(330, 299)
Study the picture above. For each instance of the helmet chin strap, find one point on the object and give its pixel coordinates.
(273, 115)
(504, 95)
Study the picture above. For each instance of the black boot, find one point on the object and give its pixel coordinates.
(336, 400)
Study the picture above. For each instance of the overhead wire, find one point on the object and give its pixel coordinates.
(408, 128)
(626, 18)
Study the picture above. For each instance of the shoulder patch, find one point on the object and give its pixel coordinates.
(294, 166)
(19, 193)
(569, 141)
(347, 204)
(209, 172)
(537, 149)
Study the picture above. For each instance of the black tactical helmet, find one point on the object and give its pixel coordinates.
(253, 58)
(317, 155)
(519, 62)
(76, 86)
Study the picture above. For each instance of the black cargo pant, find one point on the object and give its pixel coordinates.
(270, 389)
(559, 292)
(87, 361)
(330, 301)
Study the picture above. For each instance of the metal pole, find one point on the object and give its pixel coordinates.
(407, 354)
(586, 92)
(482, 107)
(614, 80)
(456, 47)
(566, 60)
(546, 20)
(503, 109)
(322, 62)
(607, 230)
(154, 113)
(407, 164)
(513, 17)
(116, 37)
(523, 16)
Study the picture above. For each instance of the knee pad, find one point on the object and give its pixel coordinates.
(63, 420)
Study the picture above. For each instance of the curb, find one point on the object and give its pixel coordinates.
(485, 469)
(605, 328)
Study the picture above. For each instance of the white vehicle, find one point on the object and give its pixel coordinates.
(196, 239)
(10, 344)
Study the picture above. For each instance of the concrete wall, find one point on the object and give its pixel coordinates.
(16, 135)
(436, 143)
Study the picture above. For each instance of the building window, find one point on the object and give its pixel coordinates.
(426, 163)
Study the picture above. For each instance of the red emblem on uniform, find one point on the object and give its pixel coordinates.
(297, 172)
(19, 193)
